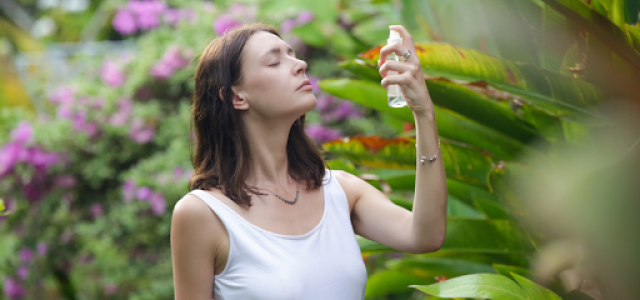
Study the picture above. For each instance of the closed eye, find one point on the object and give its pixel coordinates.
(274, 64)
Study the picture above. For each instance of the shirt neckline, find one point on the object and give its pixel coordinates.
(284, 236)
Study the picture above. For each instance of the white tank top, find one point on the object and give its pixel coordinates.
(324, 263)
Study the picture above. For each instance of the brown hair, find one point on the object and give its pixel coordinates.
(222, 150)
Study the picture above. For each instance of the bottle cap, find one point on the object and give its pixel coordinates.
(394, 36)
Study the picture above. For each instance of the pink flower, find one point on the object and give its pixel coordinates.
(177, 172)
(64, 111)
(287, 25)
(123, 113)
(173, 58)
(23, 272)
(321, 134)
(144, 193)
(346, 110)
(161, 71)
(172, 16)
(139, 133)
(324, 102)
(42, 248)
(305, 17)
(124, 22)
(225, 23)
(23, 133)
(111, 74)
(110, 289)
(96, 210)
(64, 181)
(148, 20)
(63, 95)
(314, 83)
(128, 190)
(25, 255)
(12, 288)
(9, 156)
(158, 204)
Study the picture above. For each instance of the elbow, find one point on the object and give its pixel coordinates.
(432, 247)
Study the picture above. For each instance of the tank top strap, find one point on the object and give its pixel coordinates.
(223, 212)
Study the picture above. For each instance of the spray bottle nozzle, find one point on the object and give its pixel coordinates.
(394, 36)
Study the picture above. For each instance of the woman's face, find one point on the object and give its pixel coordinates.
(271, 77)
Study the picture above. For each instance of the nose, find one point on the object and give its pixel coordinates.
(300, 67)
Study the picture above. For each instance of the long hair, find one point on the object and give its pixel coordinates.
(222, 150)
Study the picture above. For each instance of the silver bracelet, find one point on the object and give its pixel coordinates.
(422, 157)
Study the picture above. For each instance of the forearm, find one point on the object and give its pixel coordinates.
(429, 213)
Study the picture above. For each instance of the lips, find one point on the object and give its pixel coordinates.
(304, 83)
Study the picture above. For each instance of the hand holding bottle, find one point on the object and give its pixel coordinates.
(406, 74)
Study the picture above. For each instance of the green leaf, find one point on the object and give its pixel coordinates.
(491, 286)
(389, 281)
(506, 269)
(473, 236)
(439, 266)
(311, 33)
(461, 162)
(533, 290)
(450, 124)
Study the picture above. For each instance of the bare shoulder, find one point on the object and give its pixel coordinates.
(196, 237)
(194, 216)
(351, 185)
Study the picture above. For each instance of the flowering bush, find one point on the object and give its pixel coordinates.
(90, 184)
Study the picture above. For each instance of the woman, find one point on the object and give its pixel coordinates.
(293, 237)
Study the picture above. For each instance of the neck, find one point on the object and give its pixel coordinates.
(268, 162)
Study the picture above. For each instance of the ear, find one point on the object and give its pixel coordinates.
(239, 99)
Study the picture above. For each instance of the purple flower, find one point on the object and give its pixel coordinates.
(25, 255)
(63, 95)
(139, 133)
(124, 22)
(161, 71)
(225, 23)
(42, 248)
(321, 134)
(144, 193)
(64, 111)
(314, 83)
(128, 190)
(9, 156)
(111, 74)
(324, 102)
(346, 110)
(23, 272)
(177, 172)
(148, 20)
(34, 190)
(64, 181)
(23, 133)
(158, 204)
(110, 289)
(12, 288)
(236, 9)
(172, 16)
(96, 210)
(304, 17)
(123, 113)
(173, 58)
(287, 25)
(143, 136)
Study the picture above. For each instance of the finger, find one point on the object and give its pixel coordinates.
(395, 48)
(399, 79)
(397, 66)
(407, 40)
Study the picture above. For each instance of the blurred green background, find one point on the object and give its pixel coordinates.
(537, 107)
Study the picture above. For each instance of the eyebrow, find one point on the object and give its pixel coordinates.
(278, 51)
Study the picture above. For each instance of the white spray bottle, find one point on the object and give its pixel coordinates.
(395, 97)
